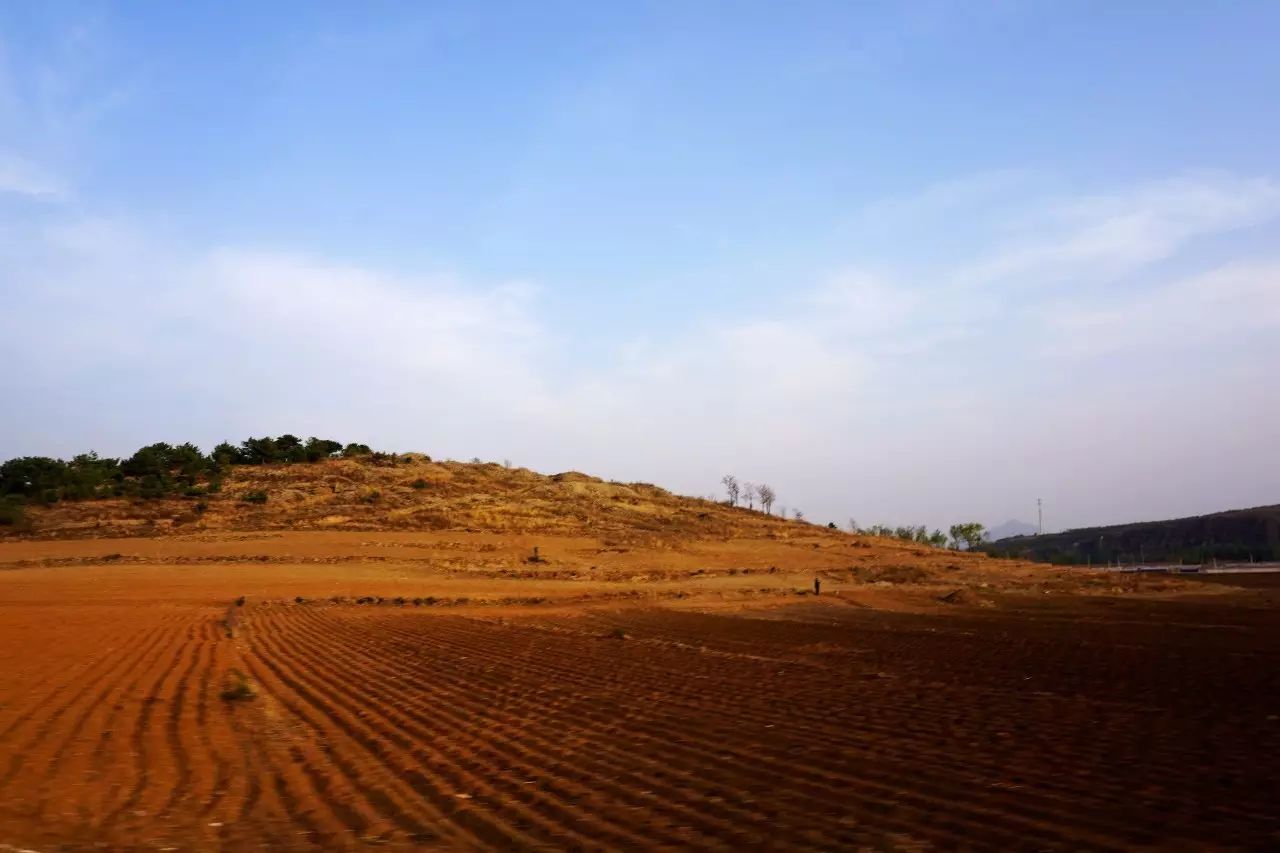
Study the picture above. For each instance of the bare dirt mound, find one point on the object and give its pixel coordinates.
(412, 493)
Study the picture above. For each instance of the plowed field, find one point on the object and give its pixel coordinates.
(1044, 722)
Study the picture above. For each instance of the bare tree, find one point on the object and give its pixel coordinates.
(749, 493)
(767, 497)
(731, 486)
(853, 526)
(799, 515)
(782, 512)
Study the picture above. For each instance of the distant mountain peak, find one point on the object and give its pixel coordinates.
(1012, 527)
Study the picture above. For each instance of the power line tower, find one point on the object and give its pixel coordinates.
(1039, 517)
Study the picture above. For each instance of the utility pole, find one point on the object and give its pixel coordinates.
(1039, 517)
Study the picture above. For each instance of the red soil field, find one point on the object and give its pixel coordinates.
(741, 719)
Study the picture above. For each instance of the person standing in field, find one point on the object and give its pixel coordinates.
(817, 586)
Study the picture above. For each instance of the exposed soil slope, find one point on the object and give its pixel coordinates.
(415, 494)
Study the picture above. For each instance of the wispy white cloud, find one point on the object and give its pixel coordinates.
(1203, 309)
(22, 177)
(881, 393)
(53, 109)
(944, 198)
(353, 321)
(1097, 238)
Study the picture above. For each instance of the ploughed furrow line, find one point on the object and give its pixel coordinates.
(52, 682)
(1102, 756)
(262, 807)
(1051, 738)
(1034, 799)
(374, 757)
(806, 769)
(354, 800)
(84, 766)
(859, 772)
(351, 802)
(373, 740)
(394, 730)
(905, 737)
(67, 696)
(500, 762)
(148, 740)
(484, 701)
(636, 728)
(154, 753)
(704, 763)
(704, 760)
(179, 707)
(444, 710)
(286, 781)
(214, 731)
(60, 735)
(263, 811)
(602, 758)
(117, 759)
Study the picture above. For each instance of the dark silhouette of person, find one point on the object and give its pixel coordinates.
(817, 586)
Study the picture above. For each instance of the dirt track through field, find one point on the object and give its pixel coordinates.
(1067, 725)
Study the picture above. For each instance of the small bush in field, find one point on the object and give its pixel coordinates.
(238, 687)
(254, 497)
(12, 513)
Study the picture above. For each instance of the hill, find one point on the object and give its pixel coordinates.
(1235, 535)
(327, 502)
(334, 509)
(1010, 528)
(407, 492)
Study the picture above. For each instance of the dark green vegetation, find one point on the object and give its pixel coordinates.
(1237, 535)
(920, 535)
(155, 471)
(968, 535)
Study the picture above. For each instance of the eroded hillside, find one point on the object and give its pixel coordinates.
(414, 493)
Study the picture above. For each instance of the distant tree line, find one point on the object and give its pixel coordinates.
(155, 471)
(1242, 536)
(968, 535)
(920, 535)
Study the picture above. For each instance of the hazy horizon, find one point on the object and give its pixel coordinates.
(908, 264)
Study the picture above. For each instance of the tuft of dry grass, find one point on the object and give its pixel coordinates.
(238, 687)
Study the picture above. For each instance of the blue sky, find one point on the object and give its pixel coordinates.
(907, 262)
